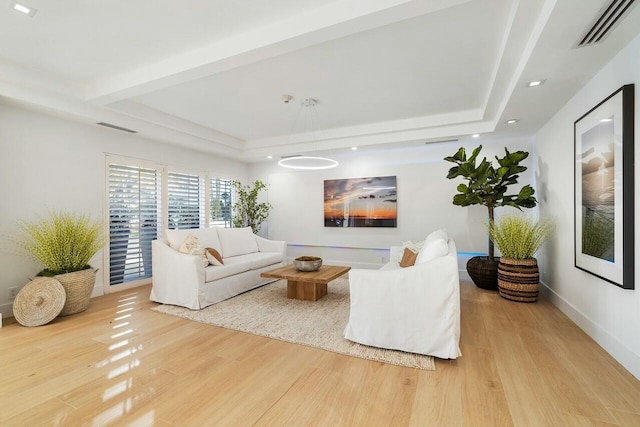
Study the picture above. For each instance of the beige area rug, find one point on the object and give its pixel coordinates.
(268, 312)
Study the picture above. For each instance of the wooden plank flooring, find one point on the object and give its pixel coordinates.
(120, 363)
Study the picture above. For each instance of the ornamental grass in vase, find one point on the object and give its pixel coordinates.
(518, 237)
(63, 243)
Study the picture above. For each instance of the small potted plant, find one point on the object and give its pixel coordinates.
(63, 243)
(518, 237)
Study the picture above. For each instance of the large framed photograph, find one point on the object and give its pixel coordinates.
(604, 189)
(361, 202)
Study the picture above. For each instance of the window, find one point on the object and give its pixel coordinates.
(219, 202)
(143, 198)
(133, 221)
(185, 194)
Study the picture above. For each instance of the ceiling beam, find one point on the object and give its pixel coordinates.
(332, 21)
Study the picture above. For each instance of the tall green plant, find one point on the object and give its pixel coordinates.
(519, 236)
(487, 185)
(62, 242)
(247, 212)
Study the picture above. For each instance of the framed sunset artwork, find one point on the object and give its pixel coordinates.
(361, 202)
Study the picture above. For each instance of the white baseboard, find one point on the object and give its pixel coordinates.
(97, 291)
(464, 275)
(6, 310)
(623, 354)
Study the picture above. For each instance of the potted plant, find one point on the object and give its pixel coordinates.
(64, 243)
(518, 238)
(487, 185)
(247, 212)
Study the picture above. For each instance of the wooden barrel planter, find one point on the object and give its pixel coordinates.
(518, 279)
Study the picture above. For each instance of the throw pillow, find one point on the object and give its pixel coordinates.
(414, 246)
(432, 250)
(214, 257)
(438, 234)
(408, 258)
(192, 246)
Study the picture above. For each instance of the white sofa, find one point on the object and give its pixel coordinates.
(181, 279)
(414, 309)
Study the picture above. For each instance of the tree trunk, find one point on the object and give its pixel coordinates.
(491, 251)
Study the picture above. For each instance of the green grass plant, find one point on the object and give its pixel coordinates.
(519, 236)
(62, 242)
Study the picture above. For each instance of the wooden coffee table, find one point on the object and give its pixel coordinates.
(306, 285)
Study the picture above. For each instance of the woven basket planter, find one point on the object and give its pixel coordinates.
(78, 286)
(483, 272)
(518, 279)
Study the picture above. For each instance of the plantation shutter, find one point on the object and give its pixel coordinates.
(185, 194)
(220, 203)
(133, 221)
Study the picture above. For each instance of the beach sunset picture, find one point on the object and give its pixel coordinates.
(361, 202)
(598, 191)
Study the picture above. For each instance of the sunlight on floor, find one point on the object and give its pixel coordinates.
(122, 366)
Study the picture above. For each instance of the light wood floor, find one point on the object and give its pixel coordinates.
(120, 363)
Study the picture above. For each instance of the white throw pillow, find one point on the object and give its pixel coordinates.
(208, 237)
(237, 241)
(176, 237)
(412, 246)
(432, 250)
(438, 234)
(192, 246)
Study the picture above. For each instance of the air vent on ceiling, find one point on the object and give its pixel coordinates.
(109, 125)
(441, 140)
(291, 156)
(605, 22)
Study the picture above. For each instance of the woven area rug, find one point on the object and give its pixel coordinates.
(268, 312)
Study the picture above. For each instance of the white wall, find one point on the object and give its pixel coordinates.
(424, 203)
(48, 163)
(610, 315)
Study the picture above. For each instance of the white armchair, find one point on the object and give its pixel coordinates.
(414, 309)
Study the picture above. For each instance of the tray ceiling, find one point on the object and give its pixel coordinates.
(210, 75)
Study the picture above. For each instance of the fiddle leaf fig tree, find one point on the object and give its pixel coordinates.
(487, 185)
(247, 212)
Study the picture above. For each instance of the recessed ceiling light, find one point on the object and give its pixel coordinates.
(535, 83)
(512, 121)
(475, 135)
(354, 148)
(27, 10)
(269, 157)
(608, 119)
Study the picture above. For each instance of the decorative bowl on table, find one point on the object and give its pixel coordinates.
(307, 263)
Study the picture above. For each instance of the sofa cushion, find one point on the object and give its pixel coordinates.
(256, 260)
(214, 272)
(432, 250)
(237, 241)
(208, 237)
(214, 257)
(438, 234)
(408, 258)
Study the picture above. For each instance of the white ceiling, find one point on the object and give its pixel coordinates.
(210, 74)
